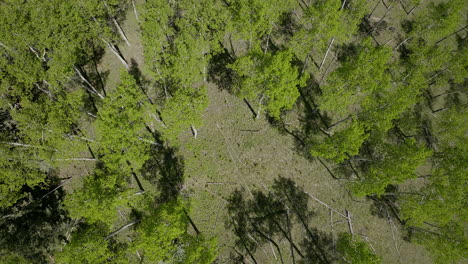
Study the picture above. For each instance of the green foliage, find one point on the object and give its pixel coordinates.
(163, 237)
(358, 80)
(448, 246)
(443, 199)
(393, 164)
(342, 144)
(200, 250)
(356, 251)
(182, 111)
(34, 227)
(86, 246)
(100, 197)
(272, 76)
(438, 20)
(252, 19)
(121, 132)
(324, 21)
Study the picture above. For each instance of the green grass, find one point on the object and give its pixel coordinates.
(235, 151)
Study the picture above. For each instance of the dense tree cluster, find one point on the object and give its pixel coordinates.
(392, 116)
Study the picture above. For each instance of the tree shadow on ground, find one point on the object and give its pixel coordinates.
(271, 217)
(165, 169)
(385, 206)
(36, 225)
(311, 121)
(140, 79)
(219, 73)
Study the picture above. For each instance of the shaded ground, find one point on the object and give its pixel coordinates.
(235, 152)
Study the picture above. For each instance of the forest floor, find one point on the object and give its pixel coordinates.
(235, 151)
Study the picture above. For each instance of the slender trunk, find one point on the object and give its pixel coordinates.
(260, 107)
(268, 39)
(250, 107)
(117, 53)
(382, 18)
(241, 237)
(320, 255)
(77, 159)
(401, 43)
(56, 188)
(232, 46)
(267, 238)
(403, 6)
(93, 89)
(101, 81)
(440, 109)
(446, 37)
(288, 223)
(135, 11)
(304, 65)
(383, 2)
(163, 83)
(326, 53)
(149, 141)
(159, 120)
(35, 53)
(294, 135)
(123, 228)
(350, 224)
(414, 7)
(23, 145)
(192, 223)
(285, 234)
(446, 93)
(375, 7)
(324, 204)
(343, 5)
(194, 131)
(339, 122)
(43, 90)
(136, 177)
(352, 167)
(121, 32)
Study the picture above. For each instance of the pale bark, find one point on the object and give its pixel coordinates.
(23, 145)
(324, 204)
(260, 107)
(149, 141)
(401, 43)
(43, 90)
(326, 53)
(116, 53)
(350, 223)
(121, 32)
(93, 89)
(77, 159)
(122, 228)
(135, 11)
(4, 46)
(342, 6)
(158, 120)
(268, 40)
(35, 53)
(194, 131)
(56, 188)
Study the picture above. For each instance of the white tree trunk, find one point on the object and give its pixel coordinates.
(326, 53)
(121, 32)
(116, 53)
(135, 11)
(88, 83)
(194, 132)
